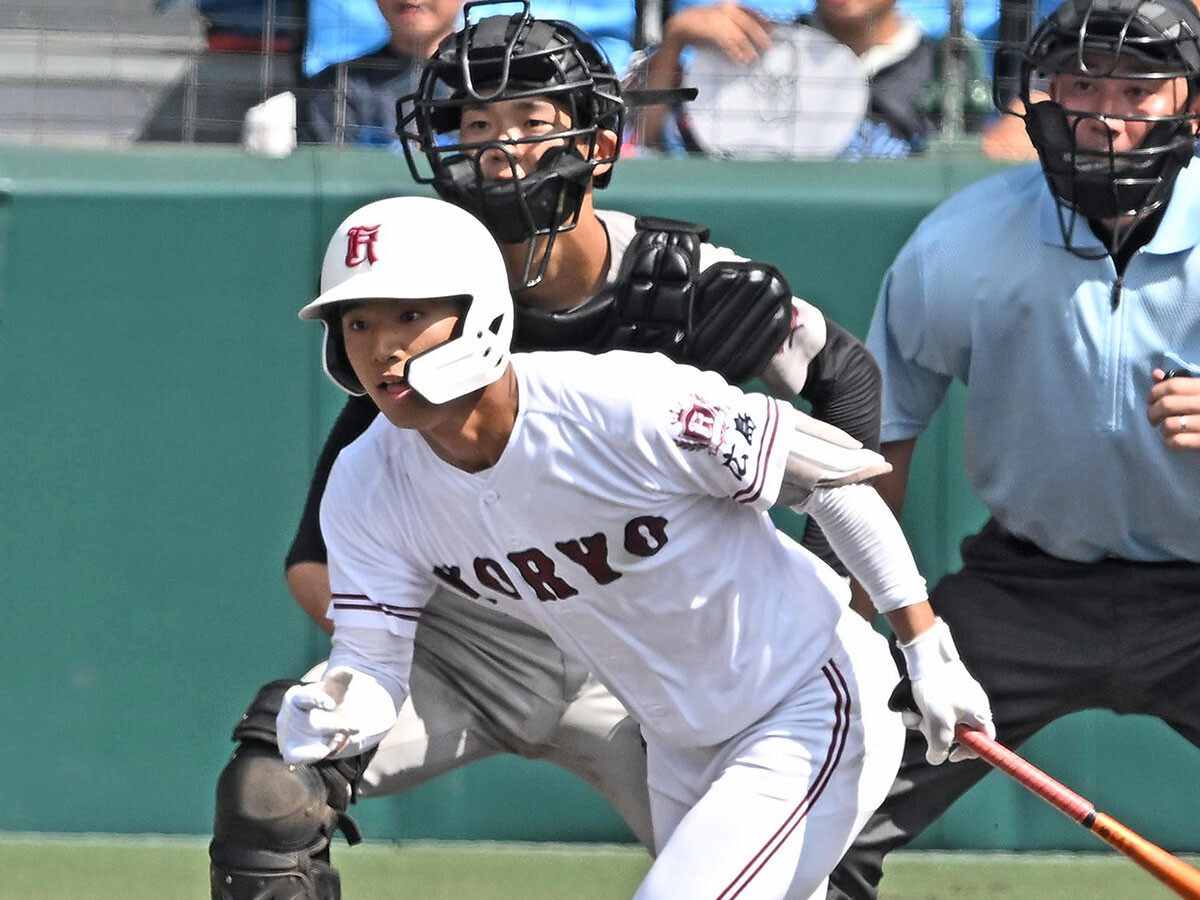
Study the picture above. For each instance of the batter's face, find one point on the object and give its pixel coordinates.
(1114, 106)
(381, 336)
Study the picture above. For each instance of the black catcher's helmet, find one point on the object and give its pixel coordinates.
(508, 57)
(1130, 39)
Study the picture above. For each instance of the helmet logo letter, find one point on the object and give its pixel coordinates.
(360, 245)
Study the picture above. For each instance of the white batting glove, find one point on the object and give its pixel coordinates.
(945, 694)
(343, 715)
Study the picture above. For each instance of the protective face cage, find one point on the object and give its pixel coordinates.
(510, 57)
(1151, 40)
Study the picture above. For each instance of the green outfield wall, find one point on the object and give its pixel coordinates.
(160, 410)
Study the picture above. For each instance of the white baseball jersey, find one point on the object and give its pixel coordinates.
(626, 517)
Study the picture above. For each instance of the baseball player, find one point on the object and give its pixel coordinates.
(483, 683)
(618, 503)
(1064, 297)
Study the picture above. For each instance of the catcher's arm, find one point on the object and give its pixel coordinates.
(834, 372)
(306, 571)
(844, 388)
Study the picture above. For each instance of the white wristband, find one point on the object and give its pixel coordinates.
(929, 650)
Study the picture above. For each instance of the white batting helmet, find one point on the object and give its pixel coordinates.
(419, 248)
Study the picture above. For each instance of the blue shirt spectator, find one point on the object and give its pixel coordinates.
(341, 30)
(900, 62)
(354, 102)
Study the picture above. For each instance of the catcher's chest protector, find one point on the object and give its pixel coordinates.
(730, 317)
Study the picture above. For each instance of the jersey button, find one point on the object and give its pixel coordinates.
(490, 496)
(657, 711)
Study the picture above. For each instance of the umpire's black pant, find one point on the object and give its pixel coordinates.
(1045, 637)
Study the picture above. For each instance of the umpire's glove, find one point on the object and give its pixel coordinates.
(944, 695)
(343, 715)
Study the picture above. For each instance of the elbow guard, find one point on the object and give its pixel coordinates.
(824, 456)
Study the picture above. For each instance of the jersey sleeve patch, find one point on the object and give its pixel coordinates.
(697, 424)
(738, 444)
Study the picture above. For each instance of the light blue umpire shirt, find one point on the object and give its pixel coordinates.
(1056, 356)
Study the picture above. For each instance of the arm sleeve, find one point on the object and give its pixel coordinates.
(384, 656)
(832, 370)
(844, 388)
(866, 536)
(308, 545)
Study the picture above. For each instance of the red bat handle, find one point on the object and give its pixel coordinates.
(1000, 757)
(1172, 871)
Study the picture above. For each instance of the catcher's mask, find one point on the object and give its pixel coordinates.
(409, 248)
(1147, 40)
(510, 57)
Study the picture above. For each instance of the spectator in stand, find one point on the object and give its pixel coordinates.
(355, 102)
(932, 15)
(901, 63)
(363, 55)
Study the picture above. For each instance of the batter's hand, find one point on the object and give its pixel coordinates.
(944, 694)
(739, 32)
(343, 715)
(1173, 407)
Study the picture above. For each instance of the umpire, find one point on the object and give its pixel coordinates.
(1064, 297)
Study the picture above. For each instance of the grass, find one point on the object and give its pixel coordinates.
(43, 867)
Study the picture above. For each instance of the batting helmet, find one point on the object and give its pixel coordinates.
(509, 57)
(413, 248)
(1118, 39)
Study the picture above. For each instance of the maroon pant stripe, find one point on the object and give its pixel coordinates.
(833, 756)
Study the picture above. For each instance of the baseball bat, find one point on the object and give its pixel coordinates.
(1172, 871)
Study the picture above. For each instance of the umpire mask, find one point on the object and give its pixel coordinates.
(1122, 40)
(513, 57)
